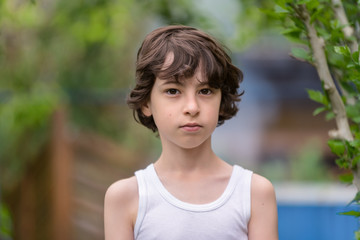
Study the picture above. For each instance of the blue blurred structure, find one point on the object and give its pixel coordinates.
(311, 212)
(315, 222)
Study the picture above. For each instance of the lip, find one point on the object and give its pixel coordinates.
(191, 127)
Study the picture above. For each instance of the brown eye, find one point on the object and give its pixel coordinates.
(172, 91)
(205, 91)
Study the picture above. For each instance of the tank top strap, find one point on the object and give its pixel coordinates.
(242, 191)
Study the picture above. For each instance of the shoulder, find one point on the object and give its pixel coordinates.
(120, 208)
(122, 195)
(263, 221)
(262, 194)
(261, 187)
(122, 189)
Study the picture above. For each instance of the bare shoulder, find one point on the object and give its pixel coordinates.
(263, 222)
(120, 209)
(262, 195)
(261, 187)
(122, 190)
(123, 195)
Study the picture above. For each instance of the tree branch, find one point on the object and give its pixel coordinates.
(348, 33)
(347, 29)
(320, 62)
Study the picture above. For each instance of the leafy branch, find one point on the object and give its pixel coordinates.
(317, 45)
(328, 31)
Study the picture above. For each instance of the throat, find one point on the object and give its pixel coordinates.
(188, 161)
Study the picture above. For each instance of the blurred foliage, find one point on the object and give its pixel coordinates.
(304, 165)
(78, 54)
(5, 220)
(254, 22)
(308, 164)
(175, 12)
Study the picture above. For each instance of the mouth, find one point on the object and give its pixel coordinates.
(191, 127)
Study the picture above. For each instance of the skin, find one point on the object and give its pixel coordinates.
(186, 115)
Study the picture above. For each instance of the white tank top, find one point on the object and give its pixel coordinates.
(161, 216)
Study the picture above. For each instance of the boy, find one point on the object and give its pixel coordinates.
(186, 86)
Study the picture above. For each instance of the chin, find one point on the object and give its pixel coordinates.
(192, 144)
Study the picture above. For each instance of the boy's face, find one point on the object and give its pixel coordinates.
(186, 112)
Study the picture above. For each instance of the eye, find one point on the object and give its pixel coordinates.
(205, 91)
(172, 91)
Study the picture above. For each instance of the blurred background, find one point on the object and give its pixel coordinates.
(66, 133)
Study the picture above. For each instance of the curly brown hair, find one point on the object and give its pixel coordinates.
(190, 47)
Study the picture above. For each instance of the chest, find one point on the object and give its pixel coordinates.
(177, 224)
(196, 190)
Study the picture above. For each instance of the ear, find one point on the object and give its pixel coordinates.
(146, 110)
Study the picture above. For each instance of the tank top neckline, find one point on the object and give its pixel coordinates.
(192, 206)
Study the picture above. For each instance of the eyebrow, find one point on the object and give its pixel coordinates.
(173, 81)
(170, 81)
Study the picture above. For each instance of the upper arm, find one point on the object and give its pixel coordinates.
(263, 222)
(120, 209)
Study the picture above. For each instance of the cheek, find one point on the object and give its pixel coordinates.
(163, 114)
(218, 105)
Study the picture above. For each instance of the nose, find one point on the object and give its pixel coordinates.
(191, 106)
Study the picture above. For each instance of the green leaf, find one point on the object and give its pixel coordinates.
(355, 161)
(301, 53)
(355, 57)
(317, 96)
(292, 32)
(337, 147)
(313, 4)
(329, 116)
(317, 12)
(279, 9)
(351, 213)
(350, 65)
(356, 198)
(319, 110)
(353, 112)
(323, 33)
(356, 119)
(335, 24)
(343, 50)
(346, 178)
(355, 143)
(342, 163)
(350, 151)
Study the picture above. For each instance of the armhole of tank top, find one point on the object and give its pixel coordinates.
(142, 190)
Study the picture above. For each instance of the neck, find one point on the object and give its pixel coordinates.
(179, 159)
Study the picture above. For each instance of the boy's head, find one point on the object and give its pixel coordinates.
(190, 48)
